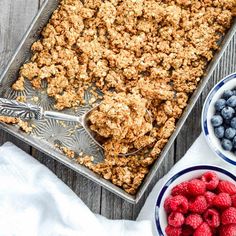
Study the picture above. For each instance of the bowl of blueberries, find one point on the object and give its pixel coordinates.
(219, 119)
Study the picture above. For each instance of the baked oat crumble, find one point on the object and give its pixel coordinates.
(69, 153)
(23, 125)
(155, 50)
(122, 120)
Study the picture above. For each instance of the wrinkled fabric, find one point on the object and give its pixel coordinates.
(34, 202)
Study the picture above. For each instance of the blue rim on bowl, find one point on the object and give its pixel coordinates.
(173, 178)
(204, 121)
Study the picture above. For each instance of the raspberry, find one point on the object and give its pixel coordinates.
(198, 205)
(225, 186)
(229, 216)
(215, 231)
(187, 231)
(193, 220)
(176, 219)
(180, 189)
(211, 180)
(179, 204)
(233, 198)
(209, 197)
(167, 204)
(196, 187)
(228, 230)
(203, 230)
(173, 231)
(222, 200)
(212, 217)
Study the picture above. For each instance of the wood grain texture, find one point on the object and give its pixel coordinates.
(15, 16)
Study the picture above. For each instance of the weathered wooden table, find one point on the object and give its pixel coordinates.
(15, 17)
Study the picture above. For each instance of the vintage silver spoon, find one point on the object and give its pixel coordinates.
(27, 111)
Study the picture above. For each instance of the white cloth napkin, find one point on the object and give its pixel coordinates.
(34, 202)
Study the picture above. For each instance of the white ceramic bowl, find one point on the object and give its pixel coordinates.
(229, 82)
(184, 175)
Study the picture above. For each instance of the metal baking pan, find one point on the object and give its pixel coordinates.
(48, 133)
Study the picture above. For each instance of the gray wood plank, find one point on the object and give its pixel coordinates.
(111, 205)
(15, 17)
(44, 159)
(88, 191)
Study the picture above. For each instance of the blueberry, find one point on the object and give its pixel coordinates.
(219, 131)
(230, 133)
(226, 123)
(226, 144)
(233, 123)
(234, 142)
(227, 94)
(216, 120)
(234, 92)
(231, 101)
(227, 113)
(220, 104)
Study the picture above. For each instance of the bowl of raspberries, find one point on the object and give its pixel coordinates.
(197, 201)
(219, 119)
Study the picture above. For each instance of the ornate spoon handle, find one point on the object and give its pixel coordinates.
(28, 111)
(21, 110)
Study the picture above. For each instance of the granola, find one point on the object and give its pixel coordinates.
(23, 125)
(155, 50)
(123, 121)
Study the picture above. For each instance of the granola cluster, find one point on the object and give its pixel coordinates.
(23, 125)
(156, 50)
(123, 122)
